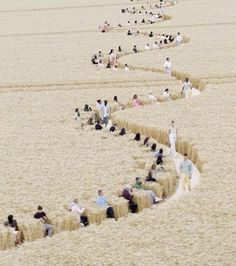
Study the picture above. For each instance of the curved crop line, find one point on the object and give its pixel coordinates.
(159, 135)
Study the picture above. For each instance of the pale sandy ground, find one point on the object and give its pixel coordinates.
(39, 140)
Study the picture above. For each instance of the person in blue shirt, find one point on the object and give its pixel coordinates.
(186, 169)
(102, 202)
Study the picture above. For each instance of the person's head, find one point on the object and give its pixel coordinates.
(138, 180)
(147, 44)
(172, 123)
(75, 200)
(99, 101)
(111, 51)
(40, 208)
(186, 79)
(105, 102)
(185, 156)
(137, 137)
(10, 218)
(100, 61)
(167, 59)
(153, 167)
(153, 147)
(126, 65)
(135, 96)
(100, 192)
(115, 98)
(135, 47)
(178, 33)
(156, 43)
(166, 90)
(161, 151)
(76, 110)
(122, 131)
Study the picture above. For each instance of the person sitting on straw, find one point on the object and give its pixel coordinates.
(127, 194)
(12, 224)
(166, 95)
(136, 102)
(102, 202)
(138, 185)
(78, 210)
(41, 215)
(186, 170)
(150, 178)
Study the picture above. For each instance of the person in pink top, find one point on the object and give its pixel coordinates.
(136, 102)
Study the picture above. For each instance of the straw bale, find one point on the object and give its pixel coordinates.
(142, 199)
(6, 239)
(95, 214)
(31, 230)
(155, 187)
(120, 207)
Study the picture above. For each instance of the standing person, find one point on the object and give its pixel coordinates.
(126, 68)
(186, 170)
(12, 224)
(172, 133)
(104, 111)
(187, 88)
(77, 114)
(102, 202)
(112, 58)
(167, 66)
(178, 39)
(41, 215)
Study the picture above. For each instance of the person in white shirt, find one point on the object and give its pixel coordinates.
(78, 211)
(172, 138)
(126, 68)
(167, 66)
(178, 39)
(77, 114)
(155, 45)
(152, 98)
(162, 38)
(104, 111)
(166, 95)
(147, 46)
(187, 88)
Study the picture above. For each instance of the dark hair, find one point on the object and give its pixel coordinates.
(10, 219)
(137, 137)
(115, 98)
(112, 128)
(153, 147)
(122, 132)
(76, 110)
(40, 208)
(161, 151)
(185, 154)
